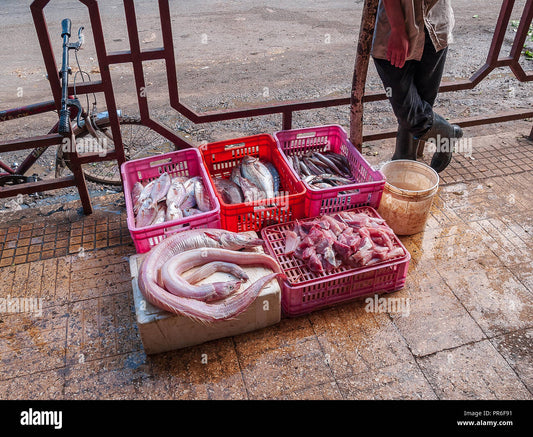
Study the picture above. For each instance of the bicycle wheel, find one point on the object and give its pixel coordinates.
(139, 142)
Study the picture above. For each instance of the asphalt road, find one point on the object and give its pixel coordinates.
(235, 54)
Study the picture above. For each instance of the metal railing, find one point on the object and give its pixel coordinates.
(136, 56)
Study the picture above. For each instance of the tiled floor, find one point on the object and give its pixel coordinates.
(467, 335)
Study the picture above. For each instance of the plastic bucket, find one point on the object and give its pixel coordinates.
(408, 195)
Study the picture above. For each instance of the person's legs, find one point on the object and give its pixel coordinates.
(428, 77)
(427, 80)
(428, 72)
(408, 88)
(413, 113)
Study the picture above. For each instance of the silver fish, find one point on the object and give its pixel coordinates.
(330, 163)
(181, 179)
(250, 191)
(329, 179)
(201, 196)
(315, 169)
(341, 161)
(189, 183)
(257, 173)
(176, 193)
(161, 186)
(161, 214)
(228, 190)
(236, 174)
(136, 192)
(147, 213)
(188, 212)
(304, 170)
(275, 176)
(173, 212)
(145, 194)
(190, 197)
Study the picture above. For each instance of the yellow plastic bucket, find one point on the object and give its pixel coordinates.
(408, 195)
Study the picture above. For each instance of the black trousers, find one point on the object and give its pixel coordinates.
(412, 89)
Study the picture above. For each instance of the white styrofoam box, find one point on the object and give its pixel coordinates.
(162, 331)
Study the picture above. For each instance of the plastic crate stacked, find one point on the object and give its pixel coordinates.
(367, 186)
(221, 157)
(187, 163)
(305, 290)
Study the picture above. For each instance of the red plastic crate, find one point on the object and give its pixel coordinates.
(305, 291)
(368, 183)
(221, 157)
(187, 163)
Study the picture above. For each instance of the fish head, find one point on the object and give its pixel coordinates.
(248, 159)
(234, 240)
(232, 286)
(247, 240)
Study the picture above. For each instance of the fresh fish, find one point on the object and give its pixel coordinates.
(201, 196)
(331, 164)
(187, 240)
(275, 175)
(258, 174)
(179, 199)
(251, 192)
(161, 214)
(304, 170)
(312, 166)
(236, 175)
(322, 170)
(228, 190)
(216, 266)
(296, 164)
(180, 179)
(189, 184)
(173, 212)
(188, 212)
(176, 193)
(174, 283)
(136, 192)
(341, 161)
(147, 213)
(160, 188)
(145, 194)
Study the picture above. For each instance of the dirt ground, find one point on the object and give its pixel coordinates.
(233, 54)
(470, 280)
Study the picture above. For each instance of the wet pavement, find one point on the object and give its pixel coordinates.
(464, 332)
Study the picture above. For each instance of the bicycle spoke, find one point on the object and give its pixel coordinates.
(139, 141)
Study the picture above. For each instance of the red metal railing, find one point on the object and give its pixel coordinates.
(135, 56)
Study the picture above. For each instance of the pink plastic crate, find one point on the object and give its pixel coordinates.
(186, 163)
(305, 291)
(368, 184)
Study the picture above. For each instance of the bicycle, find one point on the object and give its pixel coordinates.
(88, 128)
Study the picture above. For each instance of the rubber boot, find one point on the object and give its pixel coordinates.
(406, 145)
(441, 130)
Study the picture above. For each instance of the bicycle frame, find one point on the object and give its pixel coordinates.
(26, 111)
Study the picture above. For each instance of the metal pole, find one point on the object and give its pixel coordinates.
(366, 33)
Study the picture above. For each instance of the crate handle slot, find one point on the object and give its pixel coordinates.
(234, 146)
(306, 135)
(160, 162)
